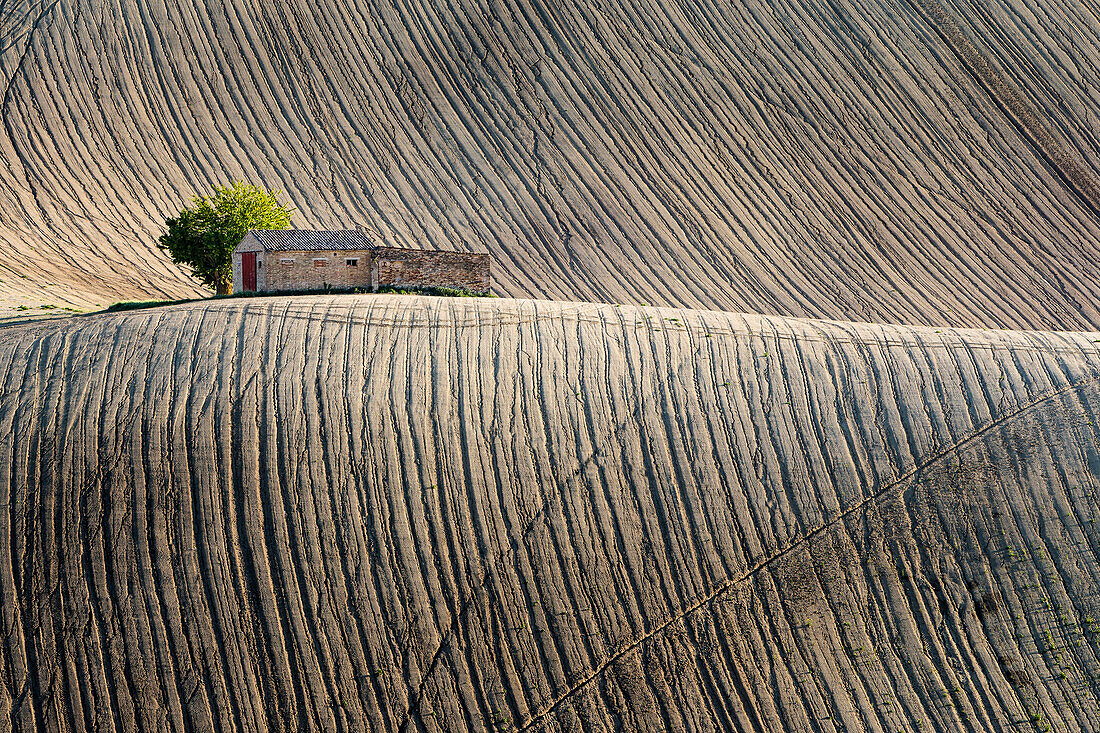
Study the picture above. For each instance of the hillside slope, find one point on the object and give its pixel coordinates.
(431, 514)
(907, 161)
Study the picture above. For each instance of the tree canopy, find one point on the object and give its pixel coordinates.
(203, 235)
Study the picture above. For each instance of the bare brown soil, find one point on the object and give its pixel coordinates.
(400, 513)
(418, 514)
(903, 161)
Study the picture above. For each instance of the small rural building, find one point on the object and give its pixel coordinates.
(305, 259)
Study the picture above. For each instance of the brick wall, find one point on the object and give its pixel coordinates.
(419, 268)
(316, 270)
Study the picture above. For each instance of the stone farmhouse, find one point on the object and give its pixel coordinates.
(305, 259)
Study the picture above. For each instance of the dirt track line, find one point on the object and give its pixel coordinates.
(538, 516)
(1008, 99)
(723, 588)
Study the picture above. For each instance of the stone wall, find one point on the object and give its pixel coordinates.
(423, 268)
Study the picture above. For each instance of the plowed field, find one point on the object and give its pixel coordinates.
(903, 161)
(395, 513)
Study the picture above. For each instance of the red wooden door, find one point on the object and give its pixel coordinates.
(248, 270)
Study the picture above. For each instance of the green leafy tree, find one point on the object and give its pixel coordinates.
(205, 233)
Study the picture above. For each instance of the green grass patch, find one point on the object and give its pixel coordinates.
(437, 291)
(133, 305)
(442, 292)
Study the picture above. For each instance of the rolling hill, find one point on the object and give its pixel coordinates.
(905, 161)
(395, 513)
(550, 512)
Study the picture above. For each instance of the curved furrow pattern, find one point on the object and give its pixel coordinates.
(893, 160)
(397, 513)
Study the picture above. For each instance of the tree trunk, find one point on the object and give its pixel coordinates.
(223, 287)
